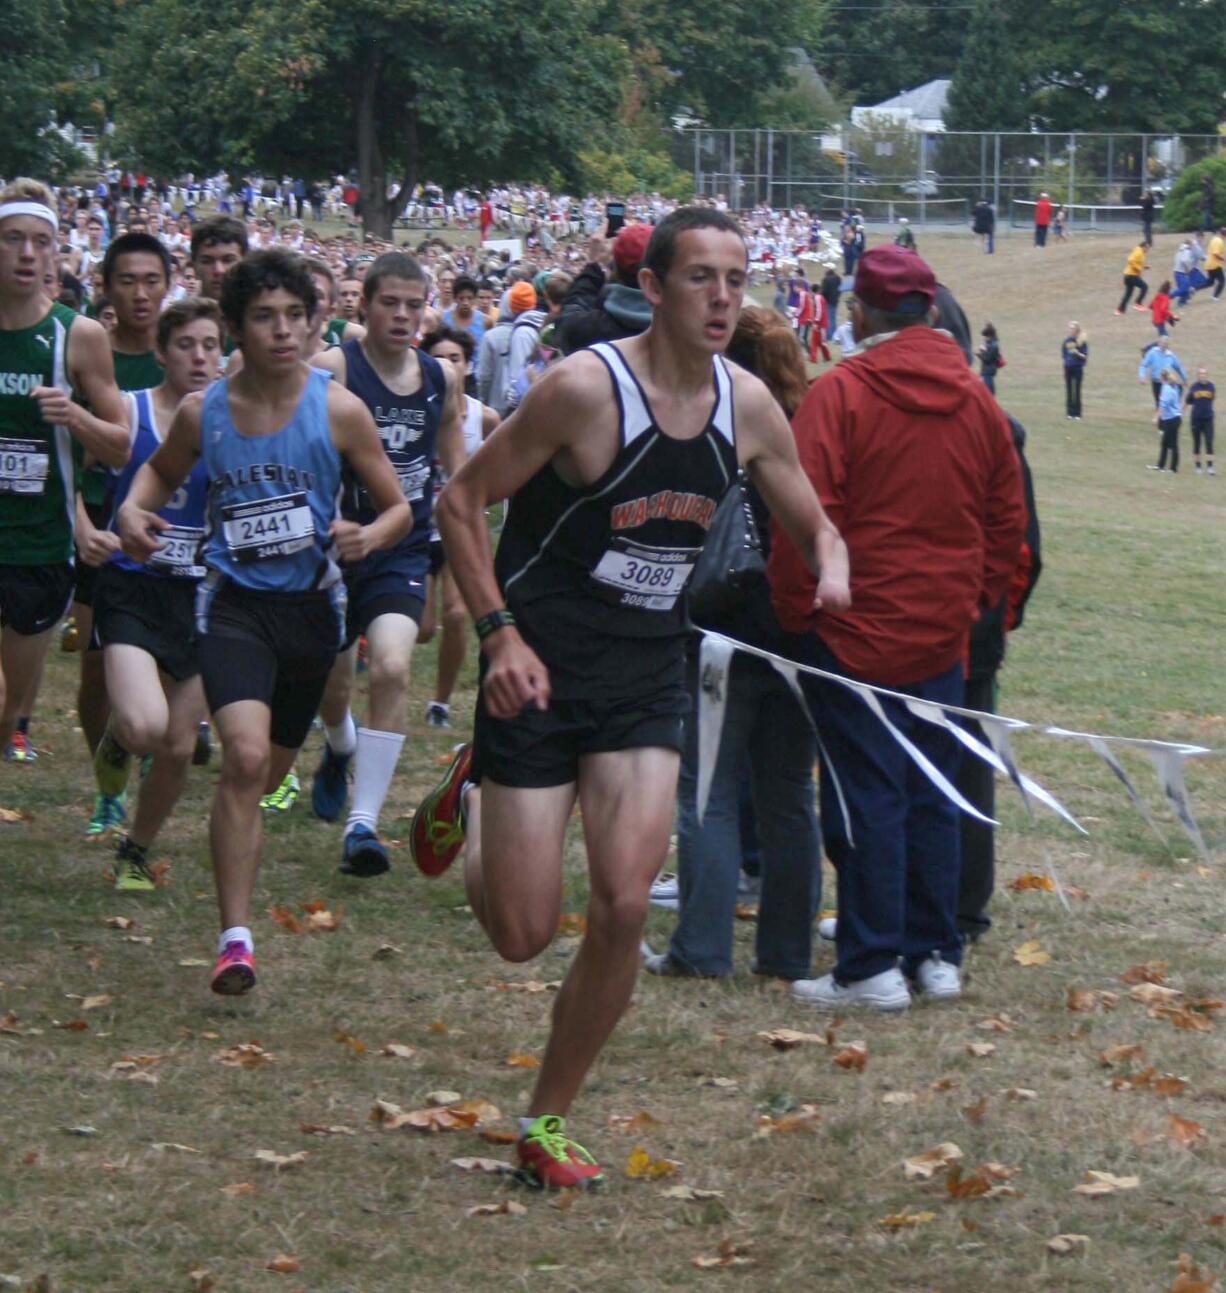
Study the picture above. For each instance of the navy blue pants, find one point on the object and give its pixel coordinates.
(898, 883)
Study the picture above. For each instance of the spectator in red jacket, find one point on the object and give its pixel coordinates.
(1042, 219)
(915, 463)
(1160, 309)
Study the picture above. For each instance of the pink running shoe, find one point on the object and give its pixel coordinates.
(234, 972)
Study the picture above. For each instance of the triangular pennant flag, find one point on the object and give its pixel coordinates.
(714, 665)
(788, 672)
(1168, 764)
(1100, 747)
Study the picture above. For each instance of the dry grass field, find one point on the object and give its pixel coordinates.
(132, 1128)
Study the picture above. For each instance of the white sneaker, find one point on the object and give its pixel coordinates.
(827, 927)
(938, 980)
(665, 892)
(884, 991)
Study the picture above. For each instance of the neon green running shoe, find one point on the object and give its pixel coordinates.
(284, 797)
(550, 1160)
(132, 868)
(108, 815)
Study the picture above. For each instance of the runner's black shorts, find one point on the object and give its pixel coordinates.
(34, 599)
(152, 612)
(277, 648)
(87, 576)
(541, 748)
(385, 583)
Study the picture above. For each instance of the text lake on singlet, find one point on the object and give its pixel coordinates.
(596, 574)
(179, 557)
(271, 498)
(408, 427)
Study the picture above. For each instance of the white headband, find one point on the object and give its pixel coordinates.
(35, 209)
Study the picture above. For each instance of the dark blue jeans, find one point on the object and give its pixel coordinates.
(762, 723)
(898, 884)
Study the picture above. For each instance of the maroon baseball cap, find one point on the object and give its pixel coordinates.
(892, 278)
(630, 246)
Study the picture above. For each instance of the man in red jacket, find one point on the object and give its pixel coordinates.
(1042, 219)
(914, 462)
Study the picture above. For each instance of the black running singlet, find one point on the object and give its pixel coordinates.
(596, 575)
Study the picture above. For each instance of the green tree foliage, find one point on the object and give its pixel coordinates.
(30, 67)
(987, 92)
(1106, 65)
(874, 49)
(1182, 208)
(462, 92)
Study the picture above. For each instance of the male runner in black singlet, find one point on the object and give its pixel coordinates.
(615, 461)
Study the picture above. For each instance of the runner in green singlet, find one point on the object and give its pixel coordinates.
(48, 354)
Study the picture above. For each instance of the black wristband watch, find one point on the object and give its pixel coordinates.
(491, 623)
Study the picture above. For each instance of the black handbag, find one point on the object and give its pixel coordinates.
(732, 564)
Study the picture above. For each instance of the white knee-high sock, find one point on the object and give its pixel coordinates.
(372, 774)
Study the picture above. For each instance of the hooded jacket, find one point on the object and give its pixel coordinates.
(914, 462)
(597, 310)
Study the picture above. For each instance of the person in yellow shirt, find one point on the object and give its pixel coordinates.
(1133, 280)
(1215, 254)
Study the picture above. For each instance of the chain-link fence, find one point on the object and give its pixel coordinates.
(888, 169)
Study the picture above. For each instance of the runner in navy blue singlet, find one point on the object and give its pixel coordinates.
(416, 404)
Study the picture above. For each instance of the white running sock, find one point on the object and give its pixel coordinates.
(372, 774)
(239, 934)
(343, 738)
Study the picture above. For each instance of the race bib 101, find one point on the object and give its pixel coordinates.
(24, 465)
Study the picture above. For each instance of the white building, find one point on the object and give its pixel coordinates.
(920, 109)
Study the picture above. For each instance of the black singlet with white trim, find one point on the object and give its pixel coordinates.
(596, 574)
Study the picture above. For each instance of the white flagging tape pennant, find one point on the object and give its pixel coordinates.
(1168, 764)
(1099, 746)
(934, 713)
(714, 666)
(787, 672)
(922, 761)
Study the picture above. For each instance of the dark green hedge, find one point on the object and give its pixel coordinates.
(1183, 203)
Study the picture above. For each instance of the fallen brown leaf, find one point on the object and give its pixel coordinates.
(1031, 953)
(1189, 1278)
(923, 1167)
(460, 1116)
(14, 815)
(523, 1062)
(237, 1189)
(806, 1118)
(1153, 994)
(283, 917)
(1096, 1183)
(386, 951)
(973, 1186)
(641, 1121)
(1117, 1054)
(507, 1208)
(1146, 972)
(894, 1098)
(973, 1113)
(1064, 1244)
(906, 1220)
(202, 1279)
(492, 1166)
(498, 1137)
(788, 1039)
(570, 922)
(280, 1162)
(319, 920)
(71, 1025)
(342, 1038)
(689, 1194)
(173, 1147)
(118, 922)
(247, 1055)
(1185, 1132)
(729, 1253)
(1081, 999)
(980, 1050)
(1029, 880)
(1019, 1093)
(853, 1057)
(398, 1051)
(325, 1129)
(284, 1265)
(996, 1024)
(640, 1166)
